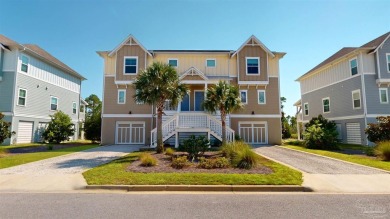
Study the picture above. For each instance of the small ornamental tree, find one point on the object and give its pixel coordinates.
(380, 131)
(60, 128)
(4, 129)
(321, 134)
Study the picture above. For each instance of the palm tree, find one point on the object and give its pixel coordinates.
(225, 98)
(156, 84)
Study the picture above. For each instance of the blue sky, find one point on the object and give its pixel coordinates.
(308, 31)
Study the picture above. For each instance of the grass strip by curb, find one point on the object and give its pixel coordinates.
(14, 160)
(370, 162)
(114, 173)
(203, 188)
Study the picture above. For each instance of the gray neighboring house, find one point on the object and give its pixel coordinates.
(34, 85)
(351, 88)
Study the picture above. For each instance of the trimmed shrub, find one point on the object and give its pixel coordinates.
(147, 160)
(180, 162)
(380, 131)
(383, 150)
(295, 142)
(195, 146)
(220, 162)
(246, 159)
(321, 134)
(169, 152)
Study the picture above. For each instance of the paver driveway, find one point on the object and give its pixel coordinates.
(330, 175)
(59, 173)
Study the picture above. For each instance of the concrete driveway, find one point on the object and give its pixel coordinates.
(324, 174)
(59, 173)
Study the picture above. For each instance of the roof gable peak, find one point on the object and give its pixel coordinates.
(130, 40)
(253, 40)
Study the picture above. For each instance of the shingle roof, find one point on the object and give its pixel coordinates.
(41, 53)
(346, 50)
(376, 42)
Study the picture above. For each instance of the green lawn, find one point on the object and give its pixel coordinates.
(114, 174)
(372, 162)
(14, 160)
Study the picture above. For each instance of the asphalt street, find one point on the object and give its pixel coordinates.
(193, 205)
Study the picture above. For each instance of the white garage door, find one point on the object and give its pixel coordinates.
(130, 133)
(354, 133)
(254, 132)
(25, 131)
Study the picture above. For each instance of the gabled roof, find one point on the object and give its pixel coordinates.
(253, 40)
(377, 42)
(298, 103)
(40, 53)
(194, 72)
(371, 46)
(130, 39)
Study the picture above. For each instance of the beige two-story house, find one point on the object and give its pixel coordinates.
(252, 67)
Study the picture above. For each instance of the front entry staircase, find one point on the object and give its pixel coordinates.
(191, 123)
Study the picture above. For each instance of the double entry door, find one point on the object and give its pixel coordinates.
(198, 102)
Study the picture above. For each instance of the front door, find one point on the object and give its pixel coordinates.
(199, 98)
(185, 103)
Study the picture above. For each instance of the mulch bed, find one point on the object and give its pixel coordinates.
(164, 166)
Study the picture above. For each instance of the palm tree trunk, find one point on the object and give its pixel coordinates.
(223, 118)
(160, 145)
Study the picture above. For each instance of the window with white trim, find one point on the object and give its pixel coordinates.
(261, 98)
(326, 105)
(74, 107)
(24, 65)
(173, 62)
(306, 109)
(244, 96)
(130, 65)
(53, 103)
(383, 95)
(353, 64)
(210, 63)
(388, 62)
(252, 65)
(82, 108)
(22, 95)
(356, 100)
(121, 96)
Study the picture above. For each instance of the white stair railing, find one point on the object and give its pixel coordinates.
(192, 120)
(168, 128)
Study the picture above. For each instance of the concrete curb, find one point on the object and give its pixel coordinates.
(374, 168)
(203, 188)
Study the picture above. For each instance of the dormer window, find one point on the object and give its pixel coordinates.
(252, 65)
(173, 62)
(353, 66)
(130, 65)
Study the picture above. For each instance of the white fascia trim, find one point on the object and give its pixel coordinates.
(377, 115)
(127, 115)
(255, 116)
(253, 82)
(198, 82)
(123, 82)
(357, 75)
(124, 43)
(7, 113)
(33, 116)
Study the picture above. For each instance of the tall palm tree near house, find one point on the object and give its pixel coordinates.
(156, 84)
(225, 98)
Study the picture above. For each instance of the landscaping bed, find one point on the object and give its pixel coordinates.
(118, 172)
(164, 166)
